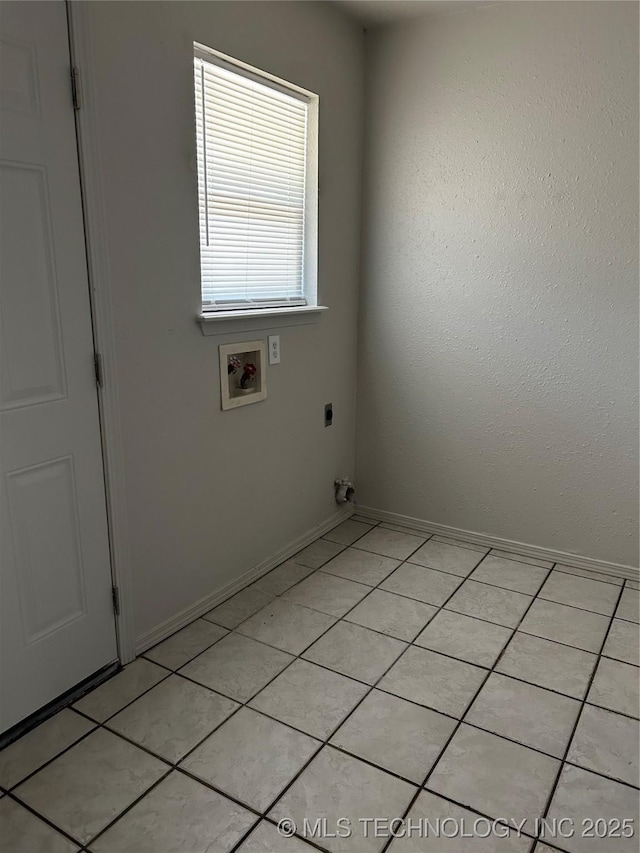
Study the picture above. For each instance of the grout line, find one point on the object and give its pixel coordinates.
(620, 660)
(536, 594)
(13, 787)
(573, 606)
(349, 544)
(548, 844)
(374, 522)
(437, 537)
(588, 577)
(475, 580)
(519, 558)
(322, 742)
(457, 727)
(611, 711)
(563, 762)
(421, 566)
(353, 710)
(98, 724)
(474, 811)
(131, 805)
(175, 634)
(547, 754)
(628, 621)
(423, 541)
(326, 741)
(603, 775)
(42, 817)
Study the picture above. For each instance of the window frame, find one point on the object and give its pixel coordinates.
(209, 314)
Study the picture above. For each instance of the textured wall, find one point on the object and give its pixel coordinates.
(210, 493)
(498, 345)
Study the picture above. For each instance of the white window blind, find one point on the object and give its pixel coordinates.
(252, 151)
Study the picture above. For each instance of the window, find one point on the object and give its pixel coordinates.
(257, 187)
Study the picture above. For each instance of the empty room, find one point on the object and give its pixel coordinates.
(319, 426)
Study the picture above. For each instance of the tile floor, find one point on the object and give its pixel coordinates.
(379, 673)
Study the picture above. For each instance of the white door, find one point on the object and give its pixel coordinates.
(57, 622)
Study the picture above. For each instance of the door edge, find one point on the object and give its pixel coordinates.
(88, 145)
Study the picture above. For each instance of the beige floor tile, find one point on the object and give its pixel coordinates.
(531, 715)
(118, 691)
(404, 528)
(390, 543)
(286, 626)
(355, 651)
(580, 592)
(623, 642)
(423, 584)
(607, 743)
(22, 832)
(237, 666)
(327, 593)
(185, 644)
(367, 519)
(494, 776)
(581, 796)
(361, 566)
(510, 574)
(501, 606)
(251, 757)
(587, 573)
(463, 637)
(629, 605)
(531, 561)
(172, 717)
(179, 815)
(453, 820)
(390, 614)
(548, 664)
(449, 540)
(282, 578)
(433, 680)
(317, 554)
(437, 554)
(334, 786)
(239, 607)
(265, 838)
(41, 744)
(615, 686)
(310, 698)
(502, 761)
(394, 734)
(578, 628)
(347, 532)
(86, 787)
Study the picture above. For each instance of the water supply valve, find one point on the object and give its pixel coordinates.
(344, 491)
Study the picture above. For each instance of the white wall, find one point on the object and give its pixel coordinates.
(498, 359)
(210, 493)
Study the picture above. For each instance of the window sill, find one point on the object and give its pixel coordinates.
(224, 322)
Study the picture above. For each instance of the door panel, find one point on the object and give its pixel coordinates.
(57, 623)
(43, 504)
(32, 374)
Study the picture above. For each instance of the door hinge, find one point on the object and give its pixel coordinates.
(97, 364)
(115, 597)
(75, 88)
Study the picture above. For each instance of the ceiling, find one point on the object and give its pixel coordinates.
(375, 12)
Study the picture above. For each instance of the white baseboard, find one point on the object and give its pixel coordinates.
(184, 617)
(497, 542)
